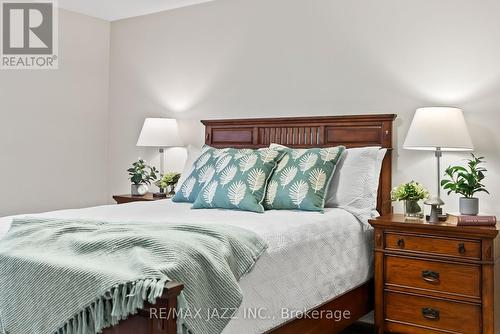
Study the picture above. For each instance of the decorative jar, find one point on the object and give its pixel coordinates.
(414, 209)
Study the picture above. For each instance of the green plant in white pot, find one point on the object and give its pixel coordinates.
(141, 176)
(466, 181)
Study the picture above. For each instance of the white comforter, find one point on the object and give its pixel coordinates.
(312, 257)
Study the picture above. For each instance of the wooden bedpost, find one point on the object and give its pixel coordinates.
(159, 318)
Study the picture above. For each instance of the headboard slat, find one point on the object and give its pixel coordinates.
(303, 132)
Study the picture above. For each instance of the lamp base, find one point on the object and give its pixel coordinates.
(441, 217)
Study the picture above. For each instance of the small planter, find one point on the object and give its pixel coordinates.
(414, 209)
(138, 189)
(469, 206)
(171, 190)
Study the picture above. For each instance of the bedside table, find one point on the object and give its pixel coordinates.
(436, 278)
(121, 199)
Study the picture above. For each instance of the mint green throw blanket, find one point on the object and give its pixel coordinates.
(78, 277)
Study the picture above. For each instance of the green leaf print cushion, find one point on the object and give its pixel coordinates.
(240, 180)
(202, 172)
(301, 180)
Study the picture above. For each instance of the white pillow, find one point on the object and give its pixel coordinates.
(378, 169)
(354, 186)
(193, 153)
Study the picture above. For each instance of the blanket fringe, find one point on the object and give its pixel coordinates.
(2, 329)
(182, 304)
(117, 304)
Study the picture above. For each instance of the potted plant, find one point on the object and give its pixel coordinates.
(466, 181)
(141, 176)
(168, 180)
(412, 193)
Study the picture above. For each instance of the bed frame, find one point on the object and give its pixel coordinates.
(300, 132)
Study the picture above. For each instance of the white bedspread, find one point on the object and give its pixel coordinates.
(312, 257)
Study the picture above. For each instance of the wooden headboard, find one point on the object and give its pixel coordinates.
(303, 132)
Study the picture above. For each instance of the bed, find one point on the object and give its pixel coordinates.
(302, 269)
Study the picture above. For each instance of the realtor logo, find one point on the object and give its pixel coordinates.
(29, 35)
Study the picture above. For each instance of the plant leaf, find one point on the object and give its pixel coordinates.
(228, 175)
(317, 179)
(236, 192)
(243, 152)
(298, 153)
(328, 154)
(187, 187)
(209, 192)
(307, 162)
(256, 179)
(222, 163)
(298, 192)
(272, 190)
(247, 162)
(202, 160)
(206, 174)
(283, 162)
(268, 154)
(220, 152)
(287, 175)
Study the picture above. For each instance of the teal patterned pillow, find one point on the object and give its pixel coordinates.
(302, 178)
(240, 180)
(202, 172)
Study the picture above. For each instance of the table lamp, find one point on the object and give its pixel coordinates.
(438, 129)
(160, 133)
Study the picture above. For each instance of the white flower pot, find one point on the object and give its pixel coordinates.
(139, 189)
(469, 206)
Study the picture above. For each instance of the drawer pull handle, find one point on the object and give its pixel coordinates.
(461, 248)
(430, 276)
(430, 313)
(401, 243)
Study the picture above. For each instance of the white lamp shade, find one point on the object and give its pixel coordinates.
(438, 127)
(159, 132)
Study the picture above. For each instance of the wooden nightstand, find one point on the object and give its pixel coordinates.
(120, 199)
(436, 278)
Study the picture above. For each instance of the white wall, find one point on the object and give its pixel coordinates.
(54, 124)
(250, 58)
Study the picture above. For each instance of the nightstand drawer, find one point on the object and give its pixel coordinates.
(433, 245)
(432, 276)
(431, 314)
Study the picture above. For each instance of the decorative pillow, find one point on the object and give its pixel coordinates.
(355, 183)
(202, 172)
(240, 180)
(193, 153)
(302, 178)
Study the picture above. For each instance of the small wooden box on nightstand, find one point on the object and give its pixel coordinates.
(121, 199)
(436, 278)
